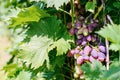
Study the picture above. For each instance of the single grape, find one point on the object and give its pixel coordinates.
(71, 32)
(81, 52)
(94, 53)
(84, 42)
(89, 38)
(76, 75)
(91, 58)
(86, 58)
(76, 51)
(72, 51)
(78, 47)
(78, 70)
(80, 36)
(82, 77)
(101, 56)
(87, 50)
(80, 60)
(78, 41)
(78, 25)
(75, 31)
(93, 38)
(102, 48)
(85, 31)
(90, 28)
(80, 31)
(76, 56)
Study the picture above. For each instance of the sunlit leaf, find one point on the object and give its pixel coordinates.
(90, 6)
(56, 3)
(28, 15)
(24, 75)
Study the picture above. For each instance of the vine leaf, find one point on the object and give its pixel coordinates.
(111, 32)
(90, 6)
(56, 3)
(35, 51)
(30, 14)
(61, 45)
(44, 36)
(24, 75)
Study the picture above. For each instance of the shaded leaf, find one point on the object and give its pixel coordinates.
(90, 6)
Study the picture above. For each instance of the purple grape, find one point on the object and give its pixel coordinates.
(78, 25)
(85, 31)
(102, 48)
(87, 50)
(89, 38)
(75, 31)
(84, 43)
(101, 56)
(80, 36)
(71, 32)
(76, 51)
(80, 60)
(94, 53)
(81, 52)
(86, 58)
(90, 28)
(78, 42)
(91, 59)
(94, 24)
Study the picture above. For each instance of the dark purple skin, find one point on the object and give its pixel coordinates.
(78, 25)
(84, 42)
(94, 53)
(90, 28)
(78, 41)
(87, 50)
(75, 31)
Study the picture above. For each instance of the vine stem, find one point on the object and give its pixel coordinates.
(72, 11)
(64, 11)
(106, 40)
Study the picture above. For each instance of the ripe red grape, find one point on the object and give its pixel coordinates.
(102, 48)
(87, 50)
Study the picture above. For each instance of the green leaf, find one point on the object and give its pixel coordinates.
(56, 3)
(44, 36)
(36, 51)
(30, 14)
(11, 69)
(111, 32)
(114, 47)
(90, 6)
(61, 45)
(113, 73)
(24, 75)
(95, 69)
(117, 4)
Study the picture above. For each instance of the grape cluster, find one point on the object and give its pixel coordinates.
(88, 44)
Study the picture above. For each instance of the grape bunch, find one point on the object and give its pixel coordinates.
(88, 44)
